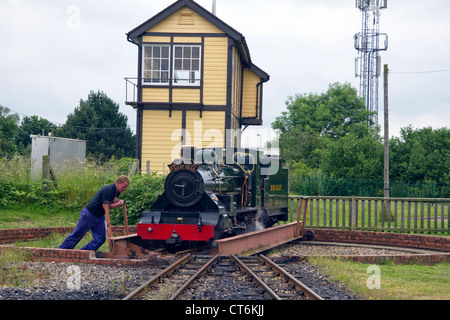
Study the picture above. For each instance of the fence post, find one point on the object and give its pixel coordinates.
(47, 172)
(291, 215)
(354, 210)
(386, 212)
(134, 167)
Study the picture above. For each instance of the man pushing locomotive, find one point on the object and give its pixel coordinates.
(208, 195)
(92, 217)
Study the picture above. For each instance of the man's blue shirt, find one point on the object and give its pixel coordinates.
(105, 195)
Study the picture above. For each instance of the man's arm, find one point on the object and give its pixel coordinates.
(116, 203)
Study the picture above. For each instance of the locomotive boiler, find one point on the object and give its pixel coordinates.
(212, 194)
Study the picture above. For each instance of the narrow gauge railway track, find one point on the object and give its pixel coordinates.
(170, 282)
(276, 281)
(220, 277)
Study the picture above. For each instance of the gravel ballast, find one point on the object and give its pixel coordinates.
(65, 281)
(58, 281)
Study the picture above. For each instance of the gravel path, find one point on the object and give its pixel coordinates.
(96, 282)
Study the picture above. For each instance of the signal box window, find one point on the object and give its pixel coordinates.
(186, 69)
(156, 64)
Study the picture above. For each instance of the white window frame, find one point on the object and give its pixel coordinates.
(155, 81)
(186, 80)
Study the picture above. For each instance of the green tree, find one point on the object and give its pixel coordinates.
(334, 113)
(98, 121)
(354, 158)
(30, 125)
(8, 126)
(421, 154)
(314, 123)
(302, 146)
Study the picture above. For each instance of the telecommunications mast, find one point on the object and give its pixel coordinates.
(369, 42)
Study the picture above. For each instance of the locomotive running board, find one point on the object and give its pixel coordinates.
(253, 242)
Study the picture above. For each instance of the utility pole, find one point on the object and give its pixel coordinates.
(386, 131)
(387, 203)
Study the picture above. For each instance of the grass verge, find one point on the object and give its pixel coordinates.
(54, 241)
(31, 217)
(397, 282)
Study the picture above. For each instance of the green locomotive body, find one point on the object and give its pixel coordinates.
(208, 197)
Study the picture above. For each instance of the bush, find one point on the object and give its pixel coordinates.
(318, 184)
(75, 186)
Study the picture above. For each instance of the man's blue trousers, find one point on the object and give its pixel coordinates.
(87, 222)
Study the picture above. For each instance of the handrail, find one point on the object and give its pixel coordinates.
(131, 84)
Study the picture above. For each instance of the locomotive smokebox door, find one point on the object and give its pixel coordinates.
(184, 188)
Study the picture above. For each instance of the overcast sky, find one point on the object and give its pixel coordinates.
(53, 52)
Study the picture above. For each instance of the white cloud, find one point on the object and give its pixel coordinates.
(46, 67)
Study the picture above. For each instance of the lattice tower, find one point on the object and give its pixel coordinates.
(369, 42)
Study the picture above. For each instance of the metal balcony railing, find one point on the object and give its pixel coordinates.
(131, 88)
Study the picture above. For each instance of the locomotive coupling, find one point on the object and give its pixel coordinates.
(174, 239)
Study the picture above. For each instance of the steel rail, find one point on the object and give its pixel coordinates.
(157, 278)
(310, 294)
(257, 279)
(201, 271)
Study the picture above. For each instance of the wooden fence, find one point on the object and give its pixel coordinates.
(375, 214)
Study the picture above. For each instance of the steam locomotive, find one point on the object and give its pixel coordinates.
(213, 194)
